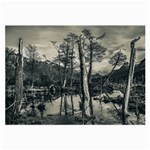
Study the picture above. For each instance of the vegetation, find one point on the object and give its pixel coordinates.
(32, 83)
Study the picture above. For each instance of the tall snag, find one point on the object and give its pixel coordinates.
(71, 80)
(18, 78)
(72, 39)
(60, 83)
(65, 78)
(84, 82)
(130, 80)
(89, 78)
(71, 84)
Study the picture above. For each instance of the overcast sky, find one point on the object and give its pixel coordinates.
(117, 37)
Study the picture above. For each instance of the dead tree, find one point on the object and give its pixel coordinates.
(129, 83)
(84, 82)
(72, 105)
(60, 83)
(59, 54)
(18, 79)
(72, 39)
(65, 78)
(89, 78)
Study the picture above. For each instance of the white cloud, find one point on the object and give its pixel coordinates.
(117, 37)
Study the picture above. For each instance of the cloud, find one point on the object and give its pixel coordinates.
(41, 45)
(117, 37)
(102, 67)
(140, 56)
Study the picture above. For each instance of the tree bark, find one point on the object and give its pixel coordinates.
(19, 78)
(84, 83)
(100, 89)
(89, 79)
(72, 105)
(61, 101)
(32, 70)
(130, 80)
(65, 104)
(65, 80)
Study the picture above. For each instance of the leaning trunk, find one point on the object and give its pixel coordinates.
(129, 83)
(110, 74)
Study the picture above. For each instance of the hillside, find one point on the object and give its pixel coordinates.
(122, 73)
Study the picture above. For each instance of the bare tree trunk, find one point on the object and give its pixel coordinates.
(61, 101)
(19, 78)
(65, 79)
(130, 80)
(72, 105)
(101, 91)
(65, 104)
(32, 71)
(84, 83)
(89, 80)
